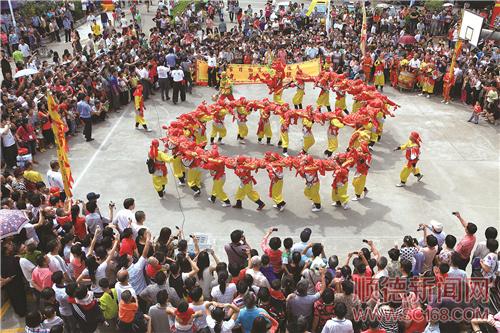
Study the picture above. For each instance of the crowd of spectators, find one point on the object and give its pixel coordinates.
(85, 268)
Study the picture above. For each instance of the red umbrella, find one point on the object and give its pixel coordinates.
(407, 39)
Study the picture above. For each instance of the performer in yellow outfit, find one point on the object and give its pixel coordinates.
(376, 131)
(301, 86)
(139, 108)
(264, 127)
(379, 78)
(361, 135)
(159, 160)
(225, 87)
(274, 168)
(241, 120)
(309, 171)
(308, 136)
(191, 161)
(218, 127)
(332, 134)
(339, 188)
(284, 125)
(216, 165)
(412, 154)
(429, 76)
(243, 170)
(324, 95)
(340, 101)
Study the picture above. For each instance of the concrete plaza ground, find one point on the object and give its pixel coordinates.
(460, 162)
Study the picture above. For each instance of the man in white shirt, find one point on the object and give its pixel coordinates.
(415, 62)
(135, 271)
(24, 48)
(8, 143)
(164, 82)
(259, 279)
(56, 263)
(338, 324)
(179, 86)
(54, 177)
(125, 217)
(212, 69)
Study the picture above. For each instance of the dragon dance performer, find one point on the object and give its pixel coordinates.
(173, 144)
(190, 159)
(448, 82)
(308, 136)
(241, 119)
(308, 169)
(394, 71)
(243, 168)
(339, 188)
(274, 168)
(139, 108)
(324, 95)
(264, 127)
(159, 159)
(412, 154)
(361, 160)
(367, 64)
(301, 86)
(284, 126)
(378, 74)
(217, 167)
(225, 87)
(428, 79)
(218, 127)
(334, 125)
(340, 101)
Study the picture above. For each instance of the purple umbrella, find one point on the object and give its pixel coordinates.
(11, 222)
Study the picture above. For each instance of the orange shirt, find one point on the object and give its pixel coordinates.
(126, 311)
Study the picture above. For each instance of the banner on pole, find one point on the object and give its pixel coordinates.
(62, 147)
(241, 74)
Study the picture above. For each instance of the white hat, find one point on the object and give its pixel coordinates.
(437, 226)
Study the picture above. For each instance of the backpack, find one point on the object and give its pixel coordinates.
(151, 165)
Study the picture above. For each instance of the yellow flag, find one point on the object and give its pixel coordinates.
(62, 147)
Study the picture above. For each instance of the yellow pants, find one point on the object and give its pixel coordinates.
(333, 143)
(266, 132)
(308, 142)
(284, 139)
(374, 136)
(359, 184)
(179, 168)
(218, 189)
(277, 98)
(406, 172)
(221, 131)
(243, 130)
(200, 138)
(298, 97)
(323, 99)
(247, 190)
(312, 193)
(427, 88)
(340, 103)
(159, 182)
(277, 192)
(356, 106)
(340, 194)
(379, 80)
(194, 177)
(139, 120)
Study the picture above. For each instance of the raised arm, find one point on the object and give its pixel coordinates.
(147, 246)
(263, 244)
(460, 218)
(374, 249)
(111, 253)
(90, 250)
(194, 268)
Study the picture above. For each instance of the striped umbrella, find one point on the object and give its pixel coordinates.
(11, 222)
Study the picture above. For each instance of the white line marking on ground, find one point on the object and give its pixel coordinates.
(91, 161)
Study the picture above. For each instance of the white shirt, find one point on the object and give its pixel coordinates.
(136, 275)
(56, 263)
(414, 63)
(62, 298)
(225, 298)
(335, 325)
(25, 49)
(211, 61)
(123, 218)
(27, 267)
(227, 326)
(54, 178)
(121, 288)
(8, 138)
(259, 279)
(163, 72)
(143, 73)
(177, 75)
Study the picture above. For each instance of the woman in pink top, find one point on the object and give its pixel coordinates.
(78, 258)
(41, 277)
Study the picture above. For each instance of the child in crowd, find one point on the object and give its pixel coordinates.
(108, 301)
(51, 319)
(476, 111)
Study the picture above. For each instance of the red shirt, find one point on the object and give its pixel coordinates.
(42, 277)
(465, 246)
(26, 134)
(362, 284)
(127, 246)
(418, 322)
(184, 317)
(151, 270)
(62, 220)
(80, 227)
